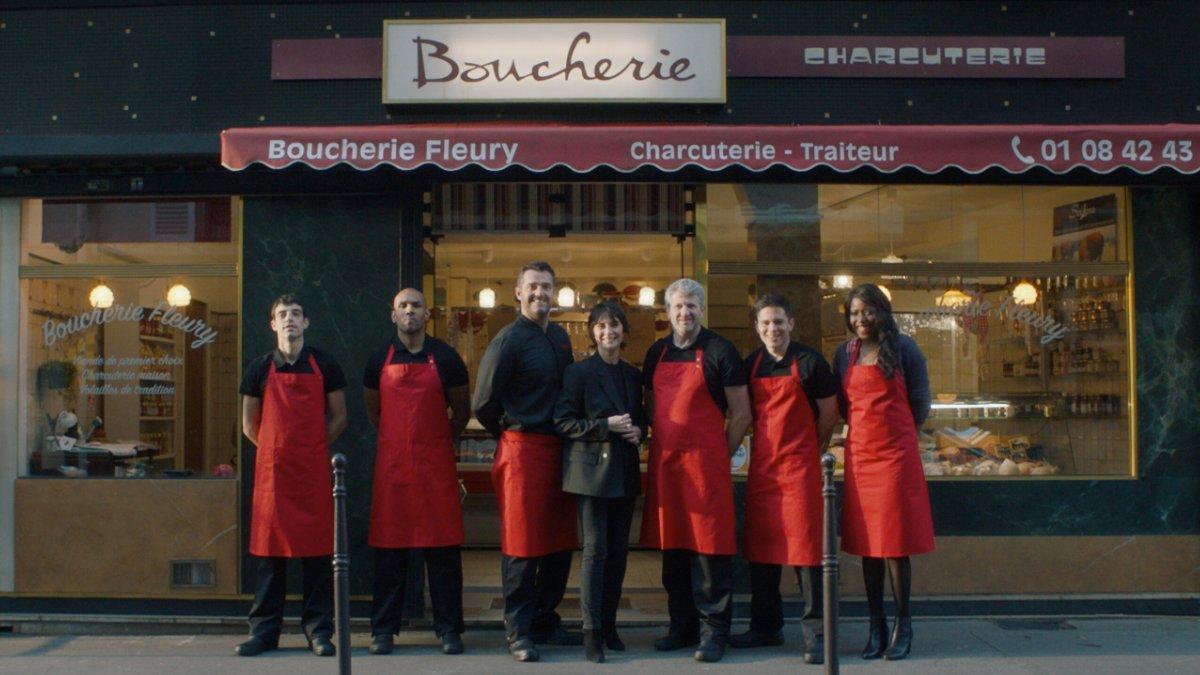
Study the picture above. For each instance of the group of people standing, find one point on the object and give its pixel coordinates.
(567, 463)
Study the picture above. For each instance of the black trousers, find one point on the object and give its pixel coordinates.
(270, 590)
(605, 524)
(533, 587)
(766, 605)
(443, 566)
(699, 588)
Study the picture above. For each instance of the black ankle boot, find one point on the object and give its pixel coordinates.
(877, 638)
(901, 639)
(593, 646)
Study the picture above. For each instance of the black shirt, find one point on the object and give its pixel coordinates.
(815, 373)
(450, 366)
(254, 382)
(519, 377)
(722, 364)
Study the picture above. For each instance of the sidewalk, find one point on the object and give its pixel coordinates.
(1094, 646)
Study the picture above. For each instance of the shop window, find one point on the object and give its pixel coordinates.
(1019, 297)
(130, 339)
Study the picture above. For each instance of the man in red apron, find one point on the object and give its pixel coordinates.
(696, 393)
(416, 509)
(794, 396)
(518, 383)
(293, 408)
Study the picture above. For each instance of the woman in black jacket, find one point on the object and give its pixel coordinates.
(599, 412)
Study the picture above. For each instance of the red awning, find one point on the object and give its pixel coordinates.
(581, 148)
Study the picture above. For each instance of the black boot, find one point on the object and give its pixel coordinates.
(613, 641)
(877, 638)
(901, 639)
(593, 646)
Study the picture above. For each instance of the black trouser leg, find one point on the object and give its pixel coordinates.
(712, 591)
(387, 601)
(518, 575)
(593, 524)
(620, 519)
(766, 605)
(873, 580)
(900, 569)
(316, 616)
(677, 581)
(444, 565)
(270, 589)
(553, 571)
(810, 580)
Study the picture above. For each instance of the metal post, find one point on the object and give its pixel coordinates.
(341, 565)
(829, 562)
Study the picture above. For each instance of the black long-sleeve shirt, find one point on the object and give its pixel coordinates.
(520, 376)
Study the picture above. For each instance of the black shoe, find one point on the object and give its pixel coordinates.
(753, 638)
(613, 641)
(711, 649)
(522, 649)
(381, 644)
(901, 639)
(253, 647)
(673, 641)
(321, 646)
(814, 649)
(877, 638)
(559, 636)
(593, 646)
(452, 643)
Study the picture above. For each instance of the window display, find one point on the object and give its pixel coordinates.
(129, 373)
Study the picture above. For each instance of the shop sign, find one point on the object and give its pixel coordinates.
(926, 56)
(582, 148)
(593, 60)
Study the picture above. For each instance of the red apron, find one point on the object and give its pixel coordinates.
(415, 501)
(886, 511)
(536, 517)
(689, 490)
(292, 512)
(783, 490)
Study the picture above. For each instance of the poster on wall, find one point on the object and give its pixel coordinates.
(1085, 231)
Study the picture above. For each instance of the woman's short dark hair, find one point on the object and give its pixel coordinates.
(608, 309)
(771, 300)
(285, 299)
(885, 324)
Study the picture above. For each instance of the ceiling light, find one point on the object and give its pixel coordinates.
(843, 281)
(179, 296)
(646, 296)
(487, 298)
(891, 258)
(101, 297)
(566, 297)
(1025, 293)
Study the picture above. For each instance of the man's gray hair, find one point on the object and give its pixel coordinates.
(685, 286)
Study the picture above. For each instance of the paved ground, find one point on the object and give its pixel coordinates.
(1153, 646)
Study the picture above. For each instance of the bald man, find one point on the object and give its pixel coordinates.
(417, 397)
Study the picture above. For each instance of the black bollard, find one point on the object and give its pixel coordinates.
(829, 563)
(341, 565)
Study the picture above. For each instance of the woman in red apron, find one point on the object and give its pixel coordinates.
(415, 502)
(789, 384)
(886, 514)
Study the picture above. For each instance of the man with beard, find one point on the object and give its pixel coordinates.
(415, 505)
(519, 379)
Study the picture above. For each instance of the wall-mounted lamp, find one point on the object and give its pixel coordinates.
(101, 297)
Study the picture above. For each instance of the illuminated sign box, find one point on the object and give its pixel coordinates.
(592, 61)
